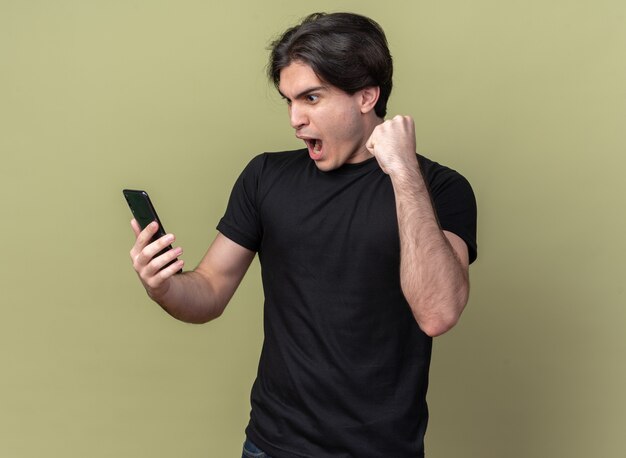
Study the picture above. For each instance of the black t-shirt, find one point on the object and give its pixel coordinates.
(344, 366)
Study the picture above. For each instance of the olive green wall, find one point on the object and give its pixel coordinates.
(526, 98)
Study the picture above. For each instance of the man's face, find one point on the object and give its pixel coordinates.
(330, 121)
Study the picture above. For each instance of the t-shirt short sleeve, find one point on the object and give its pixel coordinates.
(241, 222)
(454, 202)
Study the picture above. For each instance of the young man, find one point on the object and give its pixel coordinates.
(364, 247)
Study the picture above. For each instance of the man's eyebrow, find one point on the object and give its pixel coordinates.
(303, 93)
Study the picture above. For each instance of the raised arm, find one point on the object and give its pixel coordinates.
(196, 296)
(433, 263)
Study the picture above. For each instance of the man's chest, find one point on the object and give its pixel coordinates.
(343, 216)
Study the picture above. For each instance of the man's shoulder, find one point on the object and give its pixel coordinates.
(281, 155)
(429, 166)
(273, 158)
(276, 161)
(438, 174)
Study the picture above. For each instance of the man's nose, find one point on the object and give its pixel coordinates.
(297, 117)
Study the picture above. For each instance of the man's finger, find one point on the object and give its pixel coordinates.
(157, 271)
(145, 236)
(135, 225)
(157, 246)
(158, 262)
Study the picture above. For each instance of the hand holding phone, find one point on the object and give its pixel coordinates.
(144, 213)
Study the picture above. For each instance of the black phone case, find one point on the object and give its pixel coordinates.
(144, 212)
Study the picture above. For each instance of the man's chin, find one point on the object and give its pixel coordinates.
(326, 166)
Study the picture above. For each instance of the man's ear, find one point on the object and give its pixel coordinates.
(369, 98)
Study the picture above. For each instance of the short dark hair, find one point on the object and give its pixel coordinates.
(346, 50)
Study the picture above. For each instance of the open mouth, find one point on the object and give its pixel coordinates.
(315, 146)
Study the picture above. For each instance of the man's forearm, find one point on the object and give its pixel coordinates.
(434, 280)
(191, 298)
(433, 263)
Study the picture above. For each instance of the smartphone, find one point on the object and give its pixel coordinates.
(144, 212)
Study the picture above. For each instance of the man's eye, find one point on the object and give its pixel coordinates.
(312, 98)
